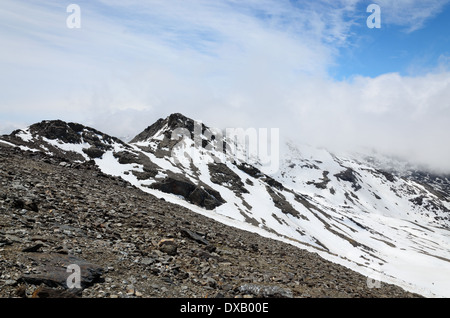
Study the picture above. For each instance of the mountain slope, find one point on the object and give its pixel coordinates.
(381, 223)
(130, 244)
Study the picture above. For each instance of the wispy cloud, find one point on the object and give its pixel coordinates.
(144, 46)
(410, 14)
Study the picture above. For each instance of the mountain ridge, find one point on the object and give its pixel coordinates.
(351, 212)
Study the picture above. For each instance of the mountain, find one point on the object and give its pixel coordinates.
(355, 210)
(56, 215)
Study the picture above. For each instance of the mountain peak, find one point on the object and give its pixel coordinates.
(58, 129)
(167, 126)
(64, 140)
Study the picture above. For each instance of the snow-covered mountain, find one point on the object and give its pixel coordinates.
(390, 224)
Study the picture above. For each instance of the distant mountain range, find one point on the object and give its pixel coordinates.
(374, 215)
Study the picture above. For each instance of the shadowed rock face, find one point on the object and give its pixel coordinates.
(93, 152)
(69, 133)
(349, 176)
(73, 133)
(221, 174)
(202, 196)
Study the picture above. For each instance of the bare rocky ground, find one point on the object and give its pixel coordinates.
(130, 244)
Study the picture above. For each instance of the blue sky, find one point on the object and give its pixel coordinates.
(394, 48)
(311, 68)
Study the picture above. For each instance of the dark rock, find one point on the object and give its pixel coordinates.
(273, 183)
(389, 176)
(279, 200)
(61, 250)
(21, 291)
(58, 129)
(33, 248)
(417, 200)
(175, 186)
(193, 236)
(324, 181)
(53, 270)
(210, 248)
(250, 170)
(126, 157)
(349, 176)
(144, 175)
(5, 241)
(199, 195)
(93, 152)
(27, 203)
(207, 198)
(221, 174)
(168, 246)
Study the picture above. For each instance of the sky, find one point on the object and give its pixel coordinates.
(313, 69)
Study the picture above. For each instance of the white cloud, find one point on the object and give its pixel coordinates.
(404, 116)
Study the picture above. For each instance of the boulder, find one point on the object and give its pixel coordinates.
(168, 246)
(93, 152)
(202, 196)
(52, 270)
